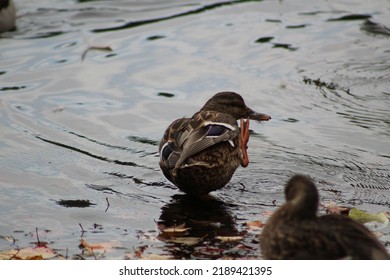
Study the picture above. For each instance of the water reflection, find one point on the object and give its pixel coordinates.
(206, 218)
(79, 203)
(89, 131)
(375, 28)
(201, 9)
(351, 17)
(204, 215)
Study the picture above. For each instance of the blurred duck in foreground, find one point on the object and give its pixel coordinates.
(201, 153)
(7, 15)
(295, 232)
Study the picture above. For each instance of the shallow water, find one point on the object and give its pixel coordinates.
(79, 138)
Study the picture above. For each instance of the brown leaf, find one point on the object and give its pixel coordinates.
(255, 224)
(139, 251)
(156, 257)
(93, 247)
(29, 253)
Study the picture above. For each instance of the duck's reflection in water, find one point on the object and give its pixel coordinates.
(195, 227)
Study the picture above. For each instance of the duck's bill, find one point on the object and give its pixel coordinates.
(258, 116)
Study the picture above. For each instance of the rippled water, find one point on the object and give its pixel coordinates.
(79, 138)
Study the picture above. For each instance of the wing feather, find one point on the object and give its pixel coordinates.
(199, 141)
(186, 137)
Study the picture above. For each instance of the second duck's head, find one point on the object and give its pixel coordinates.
(302, 194)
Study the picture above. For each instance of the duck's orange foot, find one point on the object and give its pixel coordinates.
(244, 134)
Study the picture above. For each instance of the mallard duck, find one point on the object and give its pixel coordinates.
(295, 232)
(201, 153)
(7, 15)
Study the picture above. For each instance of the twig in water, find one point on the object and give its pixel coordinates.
(105, 49)
(13, 257)
(82, 230)
(38, 241)
(108, 204)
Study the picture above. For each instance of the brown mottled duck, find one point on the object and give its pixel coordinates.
(295, 231)
(201, 153)
(7, 15)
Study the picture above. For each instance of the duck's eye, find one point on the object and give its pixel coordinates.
(216, 130)
(166, 150)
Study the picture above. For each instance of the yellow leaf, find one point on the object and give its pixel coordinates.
(185, 240)
(229, 238)
(364, 217)
(175, 231)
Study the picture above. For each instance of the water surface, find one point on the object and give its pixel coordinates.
(79, 138)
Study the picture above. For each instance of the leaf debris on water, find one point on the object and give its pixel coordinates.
(255, 224)
(29, 253)
(229, 238)
(364, 217)
(189, 241)
(175, 231)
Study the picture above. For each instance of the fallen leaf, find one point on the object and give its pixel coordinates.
(209, 251)
(364, 217)
(229, 238)
(29, 253)
(255, 224)
(175, 231)
(139, 251)
(156, 257)
(189, 241)
(102, 247)
(85, 245)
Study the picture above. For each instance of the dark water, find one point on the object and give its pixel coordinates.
(79, 138)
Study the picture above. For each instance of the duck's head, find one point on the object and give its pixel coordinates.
(302, 194)
(232, 103)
